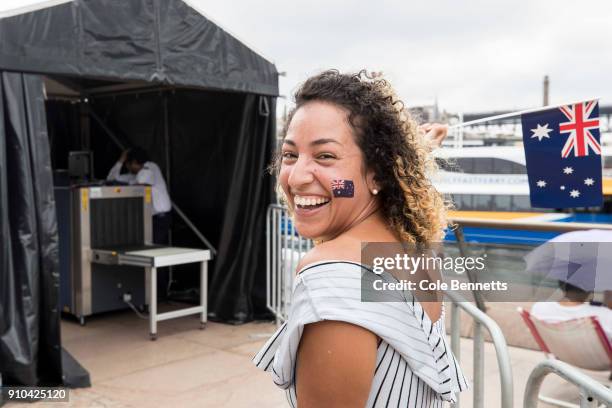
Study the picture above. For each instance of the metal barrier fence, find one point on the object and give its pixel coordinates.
(591, 392)
(481, 320)
(284, 249)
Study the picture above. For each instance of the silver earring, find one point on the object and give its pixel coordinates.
(375, 191)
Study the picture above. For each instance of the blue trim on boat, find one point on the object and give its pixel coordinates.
(503, 236)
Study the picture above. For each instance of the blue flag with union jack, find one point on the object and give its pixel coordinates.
(343, 188)
(563, 156)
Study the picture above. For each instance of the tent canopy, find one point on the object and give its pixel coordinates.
(147, 41)
(153, 73)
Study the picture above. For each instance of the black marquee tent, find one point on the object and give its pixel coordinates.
(98, 74)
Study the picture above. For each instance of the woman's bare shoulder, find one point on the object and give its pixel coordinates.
(339, 249)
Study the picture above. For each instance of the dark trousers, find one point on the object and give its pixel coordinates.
(161, 229)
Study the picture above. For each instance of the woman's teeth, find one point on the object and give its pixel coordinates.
(310, 201)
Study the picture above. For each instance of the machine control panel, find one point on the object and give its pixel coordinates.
(105, 257)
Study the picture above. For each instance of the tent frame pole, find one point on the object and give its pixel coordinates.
(168, 175)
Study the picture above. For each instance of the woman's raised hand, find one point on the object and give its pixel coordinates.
(435, 133)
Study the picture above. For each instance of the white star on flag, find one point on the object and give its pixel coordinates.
(568, 170)
(541, 132)
(562, 187)
(541, 183)
(589, 181)
(574, 193)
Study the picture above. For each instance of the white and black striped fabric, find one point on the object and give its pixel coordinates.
(415, 366)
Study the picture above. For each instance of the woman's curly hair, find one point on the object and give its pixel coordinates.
(398, 155)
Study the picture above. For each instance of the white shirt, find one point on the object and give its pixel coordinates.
(149, 174)
(554, 312)
(414, 364)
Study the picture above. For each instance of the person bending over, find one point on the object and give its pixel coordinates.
(143, 171)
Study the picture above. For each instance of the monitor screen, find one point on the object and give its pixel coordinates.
(80, 164)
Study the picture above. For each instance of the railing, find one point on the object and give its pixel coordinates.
(527, 225)
(284, 249)
(482, 321)
(591, 392)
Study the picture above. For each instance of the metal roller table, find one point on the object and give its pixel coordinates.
(151, 258)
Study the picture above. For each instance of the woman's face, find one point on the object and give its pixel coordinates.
(320, 160)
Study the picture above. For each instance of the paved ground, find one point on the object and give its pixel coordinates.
(188, 367)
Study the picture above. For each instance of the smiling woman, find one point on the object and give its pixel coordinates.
(352, 169)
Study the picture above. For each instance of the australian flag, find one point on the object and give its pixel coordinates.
(343, 188)
(563, 155)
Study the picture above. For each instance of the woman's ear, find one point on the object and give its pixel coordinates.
(371, 182)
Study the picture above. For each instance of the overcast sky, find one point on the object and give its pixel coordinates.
(481, 55)
(477, 55)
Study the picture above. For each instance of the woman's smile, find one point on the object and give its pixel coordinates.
(309, 205)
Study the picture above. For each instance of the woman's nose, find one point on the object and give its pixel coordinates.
(301, 173)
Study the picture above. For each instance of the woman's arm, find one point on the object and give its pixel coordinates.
(335, 365)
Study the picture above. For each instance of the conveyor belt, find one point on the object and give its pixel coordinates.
(149, 256)
(163, 256)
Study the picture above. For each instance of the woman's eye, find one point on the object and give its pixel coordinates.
(288, 155)
(324, 156)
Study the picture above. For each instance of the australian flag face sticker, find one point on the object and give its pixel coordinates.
(343, 188)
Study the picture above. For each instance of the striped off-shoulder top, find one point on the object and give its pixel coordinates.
(414, 366)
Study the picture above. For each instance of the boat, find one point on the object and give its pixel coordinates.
(490, 182)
